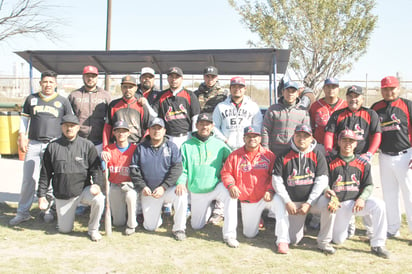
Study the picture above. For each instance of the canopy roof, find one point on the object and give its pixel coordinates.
(254, 61)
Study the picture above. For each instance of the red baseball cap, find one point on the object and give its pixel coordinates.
(91, 70)
(237, 81)
(389, 82)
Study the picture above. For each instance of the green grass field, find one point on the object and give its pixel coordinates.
(36, 247)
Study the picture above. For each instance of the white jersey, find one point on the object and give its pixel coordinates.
(230, 121)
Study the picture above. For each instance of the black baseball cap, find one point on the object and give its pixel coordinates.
(70, 118)
(129, 80)
(205, 117)
(210, 70)
(175, 70)
(121, 124)
(304, 128)
(354, 89)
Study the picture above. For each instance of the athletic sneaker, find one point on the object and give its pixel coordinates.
(327, 249)
(283, 248)
(179, 235)
(19, 219)
(380, 251)
(129, 231)
(232, 242)
(215, 219)
(95, 236)
(391, 235)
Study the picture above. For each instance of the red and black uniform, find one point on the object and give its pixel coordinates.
(177, 111)
(364, 122)
(119, 163)
(45, 115)
(299, 170)
(396, 123)
(319, 113)
(348, 180)
(136, 115)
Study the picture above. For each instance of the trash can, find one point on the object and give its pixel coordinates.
(9, 131)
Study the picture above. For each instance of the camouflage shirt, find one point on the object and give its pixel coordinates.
(210, 97)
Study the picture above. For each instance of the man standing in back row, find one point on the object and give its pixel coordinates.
(395, 115)
(40, 118)
(178, 107)
(90, 104)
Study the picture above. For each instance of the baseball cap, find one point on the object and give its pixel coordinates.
(90, 69)
(251, 130)
(121, 124)
(331, 81)
(157, 121)
(147, 70)
(175, 70)
(205, 117)
(129, 80)
(389, 82)
(210, 70)
(70, 118)
(291, 84)
(303, 128)
(237, 81)
(347, 133)
(354, 89)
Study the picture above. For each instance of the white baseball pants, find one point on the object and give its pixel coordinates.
(251, 214)
(122, 204)
(396, 176)
(66, 210)
(152, 209)
(201, 210)
(373, 207)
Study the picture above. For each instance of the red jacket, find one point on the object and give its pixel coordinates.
(119, 163)
(252, 177)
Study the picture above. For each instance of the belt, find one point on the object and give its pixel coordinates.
(396, 153)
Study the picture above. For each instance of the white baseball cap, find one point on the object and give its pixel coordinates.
(147, 70)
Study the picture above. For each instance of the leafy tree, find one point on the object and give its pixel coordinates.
(26, 17)
(326, 37)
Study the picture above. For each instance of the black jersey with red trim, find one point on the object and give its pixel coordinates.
(177, 111)
(349, 179)
(45, 115)
(136, 115)
(299, 170)
(364, 122)
(396, 123)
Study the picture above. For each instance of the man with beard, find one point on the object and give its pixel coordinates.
(127, 109)
(90, 104)
(146, 90)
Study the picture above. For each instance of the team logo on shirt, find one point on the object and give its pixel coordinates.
(339, 185)
(358, 130)
(298, 180)
(391, 125)
(57, 104)
(179, 114)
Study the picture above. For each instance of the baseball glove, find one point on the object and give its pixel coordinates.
(334, 204)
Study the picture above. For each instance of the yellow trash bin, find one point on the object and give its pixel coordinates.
(9, 131)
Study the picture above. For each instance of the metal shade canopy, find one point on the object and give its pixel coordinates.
(256, 61)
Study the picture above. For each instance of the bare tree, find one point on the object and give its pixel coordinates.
(26, 17)
(326, 37)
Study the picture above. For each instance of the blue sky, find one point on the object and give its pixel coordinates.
(189, 24)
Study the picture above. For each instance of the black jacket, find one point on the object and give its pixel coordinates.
(69, 166)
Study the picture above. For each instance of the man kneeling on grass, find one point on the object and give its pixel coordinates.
(71, 164)
(300, 176)
(156, 165)
(247, 174)
(350, 182)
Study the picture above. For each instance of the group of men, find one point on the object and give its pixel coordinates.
(212, 148)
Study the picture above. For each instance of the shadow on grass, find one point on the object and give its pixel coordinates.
(8, 211)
